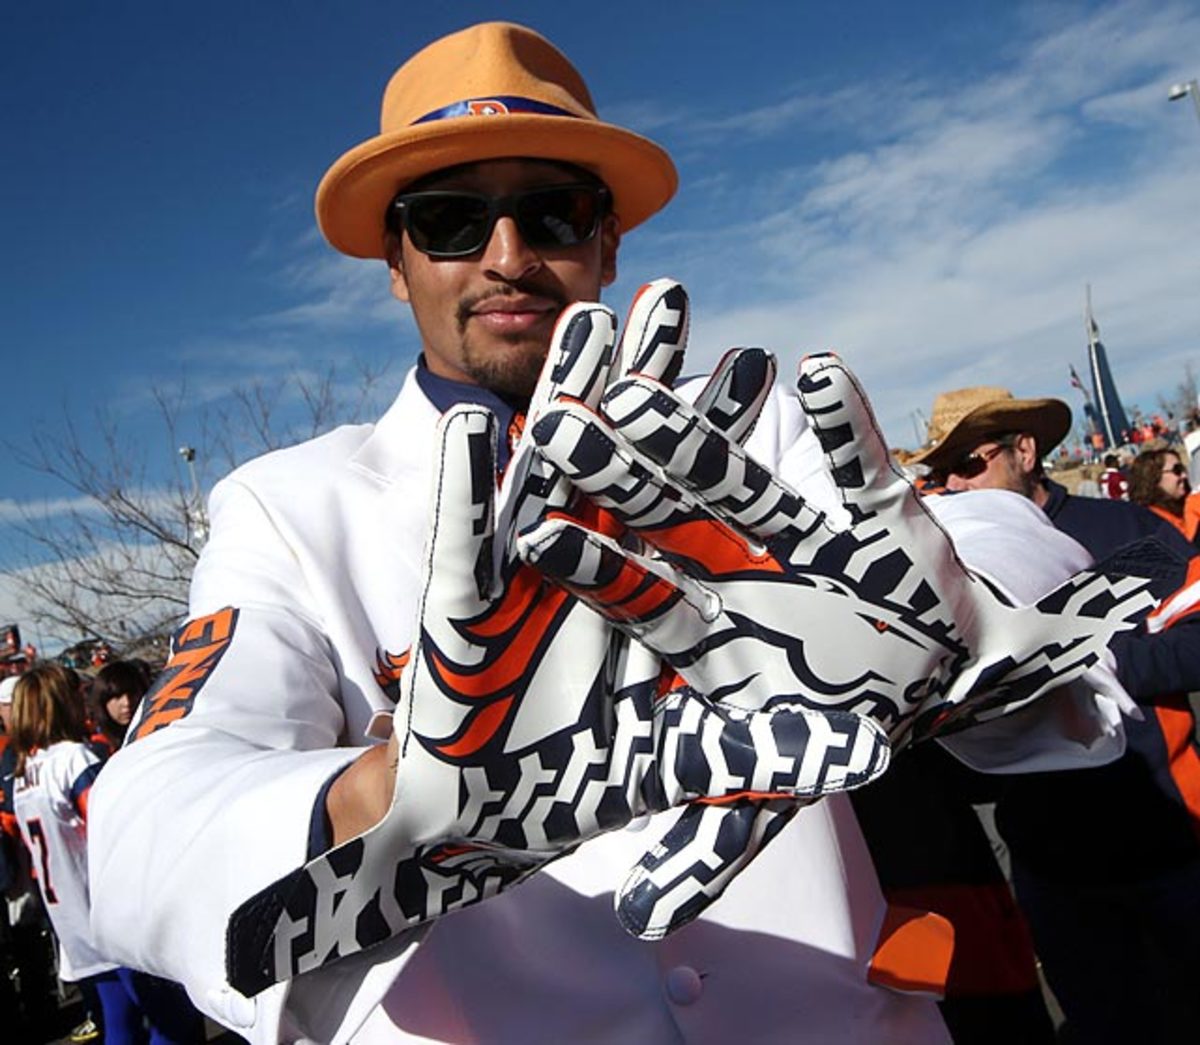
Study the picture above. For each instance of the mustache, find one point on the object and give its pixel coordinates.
(509, 290)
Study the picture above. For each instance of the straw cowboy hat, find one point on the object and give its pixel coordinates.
(492, 91)
(966, 417)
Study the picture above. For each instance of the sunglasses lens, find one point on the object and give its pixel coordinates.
(559, 216)
(447, 223)
(969, 467)
(456, 224)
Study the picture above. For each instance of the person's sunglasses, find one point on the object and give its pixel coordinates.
(453, 224)
(1175, 469)
(975, 463)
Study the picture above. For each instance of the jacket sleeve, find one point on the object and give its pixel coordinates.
(212, 797)
(1168, 662)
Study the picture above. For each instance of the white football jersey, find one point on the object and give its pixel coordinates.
(50, 804)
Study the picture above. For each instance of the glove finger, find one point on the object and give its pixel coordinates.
(737, 391)
(632, 592)
(584, 447)
(713, 468)
(723, 754)
(457, 569)
(1063, 636)
(581, 353)
(619, 480)
(656, 332)
(842, 419)
(576, 367)
(694, 863)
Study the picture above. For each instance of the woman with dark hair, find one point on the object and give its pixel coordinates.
(51, 782)
(116, 693)
(1158, 479)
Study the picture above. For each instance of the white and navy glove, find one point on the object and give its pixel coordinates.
(755, 599)
(527, 724)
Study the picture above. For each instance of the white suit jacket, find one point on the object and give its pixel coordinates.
(318, 547)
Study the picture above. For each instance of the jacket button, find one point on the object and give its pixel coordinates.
(684, 985)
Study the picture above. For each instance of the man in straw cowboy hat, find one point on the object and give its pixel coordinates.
(306, 883)
(984, 438)
(1106, 861)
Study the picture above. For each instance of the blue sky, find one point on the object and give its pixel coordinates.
(925, 187)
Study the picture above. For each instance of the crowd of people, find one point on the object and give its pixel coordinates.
(408, 747)
(1104, 861)
(58, 727)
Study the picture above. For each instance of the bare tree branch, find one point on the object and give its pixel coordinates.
(117, 565)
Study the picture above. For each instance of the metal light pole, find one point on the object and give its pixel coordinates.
(1183, 90)
(197, 516)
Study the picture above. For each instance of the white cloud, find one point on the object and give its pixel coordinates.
(12, 511)
(150, 564)
(954, 248)
(341, 291)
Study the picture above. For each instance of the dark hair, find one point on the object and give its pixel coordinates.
(113, 680)
(1111, 461)
(1145, 476)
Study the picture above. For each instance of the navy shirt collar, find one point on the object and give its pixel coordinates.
(444, 393)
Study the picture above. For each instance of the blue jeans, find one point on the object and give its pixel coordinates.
(128, 998)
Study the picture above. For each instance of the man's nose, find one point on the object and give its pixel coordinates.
(956, 483)
(506, 255)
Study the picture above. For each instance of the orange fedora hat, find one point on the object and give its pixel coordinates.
(492, 91)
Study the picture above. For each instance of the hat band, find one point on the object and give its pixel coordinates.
(499, 105)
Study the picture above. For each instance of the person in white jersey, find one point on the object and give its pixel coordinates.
(50, 788)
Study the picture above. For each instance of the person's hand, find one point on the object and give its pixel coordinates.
(754, 598)
(526, 724)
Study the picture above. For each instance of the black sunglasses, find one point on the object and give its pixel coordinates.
(453, 224)
(1175, 469)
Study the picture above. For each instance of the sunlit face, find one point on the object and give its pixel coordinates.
(1173, 482)
(486, 319)
(1006, 467)
(120, 708)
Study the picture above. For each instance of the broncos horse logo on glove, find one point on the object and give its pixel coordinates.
(772, 602)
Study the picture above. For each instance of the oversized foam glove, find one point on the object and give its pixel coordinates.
(753, 597)
(526, 724)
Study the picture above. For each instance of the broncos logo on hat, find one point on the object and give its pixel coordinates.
(487, 107)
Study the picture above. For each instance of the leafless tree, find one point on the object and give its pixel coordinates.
(113, 559)
(1183, 402)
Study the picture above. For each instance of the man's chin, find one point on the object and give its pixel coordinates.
(510, 370)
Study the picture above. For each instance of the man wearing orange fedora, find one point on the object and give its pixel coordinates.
(1106, 861)
(497, 198)
(308, 883)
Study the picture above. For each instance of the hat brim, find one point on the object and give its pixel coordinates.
(1047, 420)
(354, 194)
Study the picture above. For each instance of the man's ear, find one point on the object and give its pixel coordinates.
(393, 249)
(610, 240)
(399, 283)
(1026, 447)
